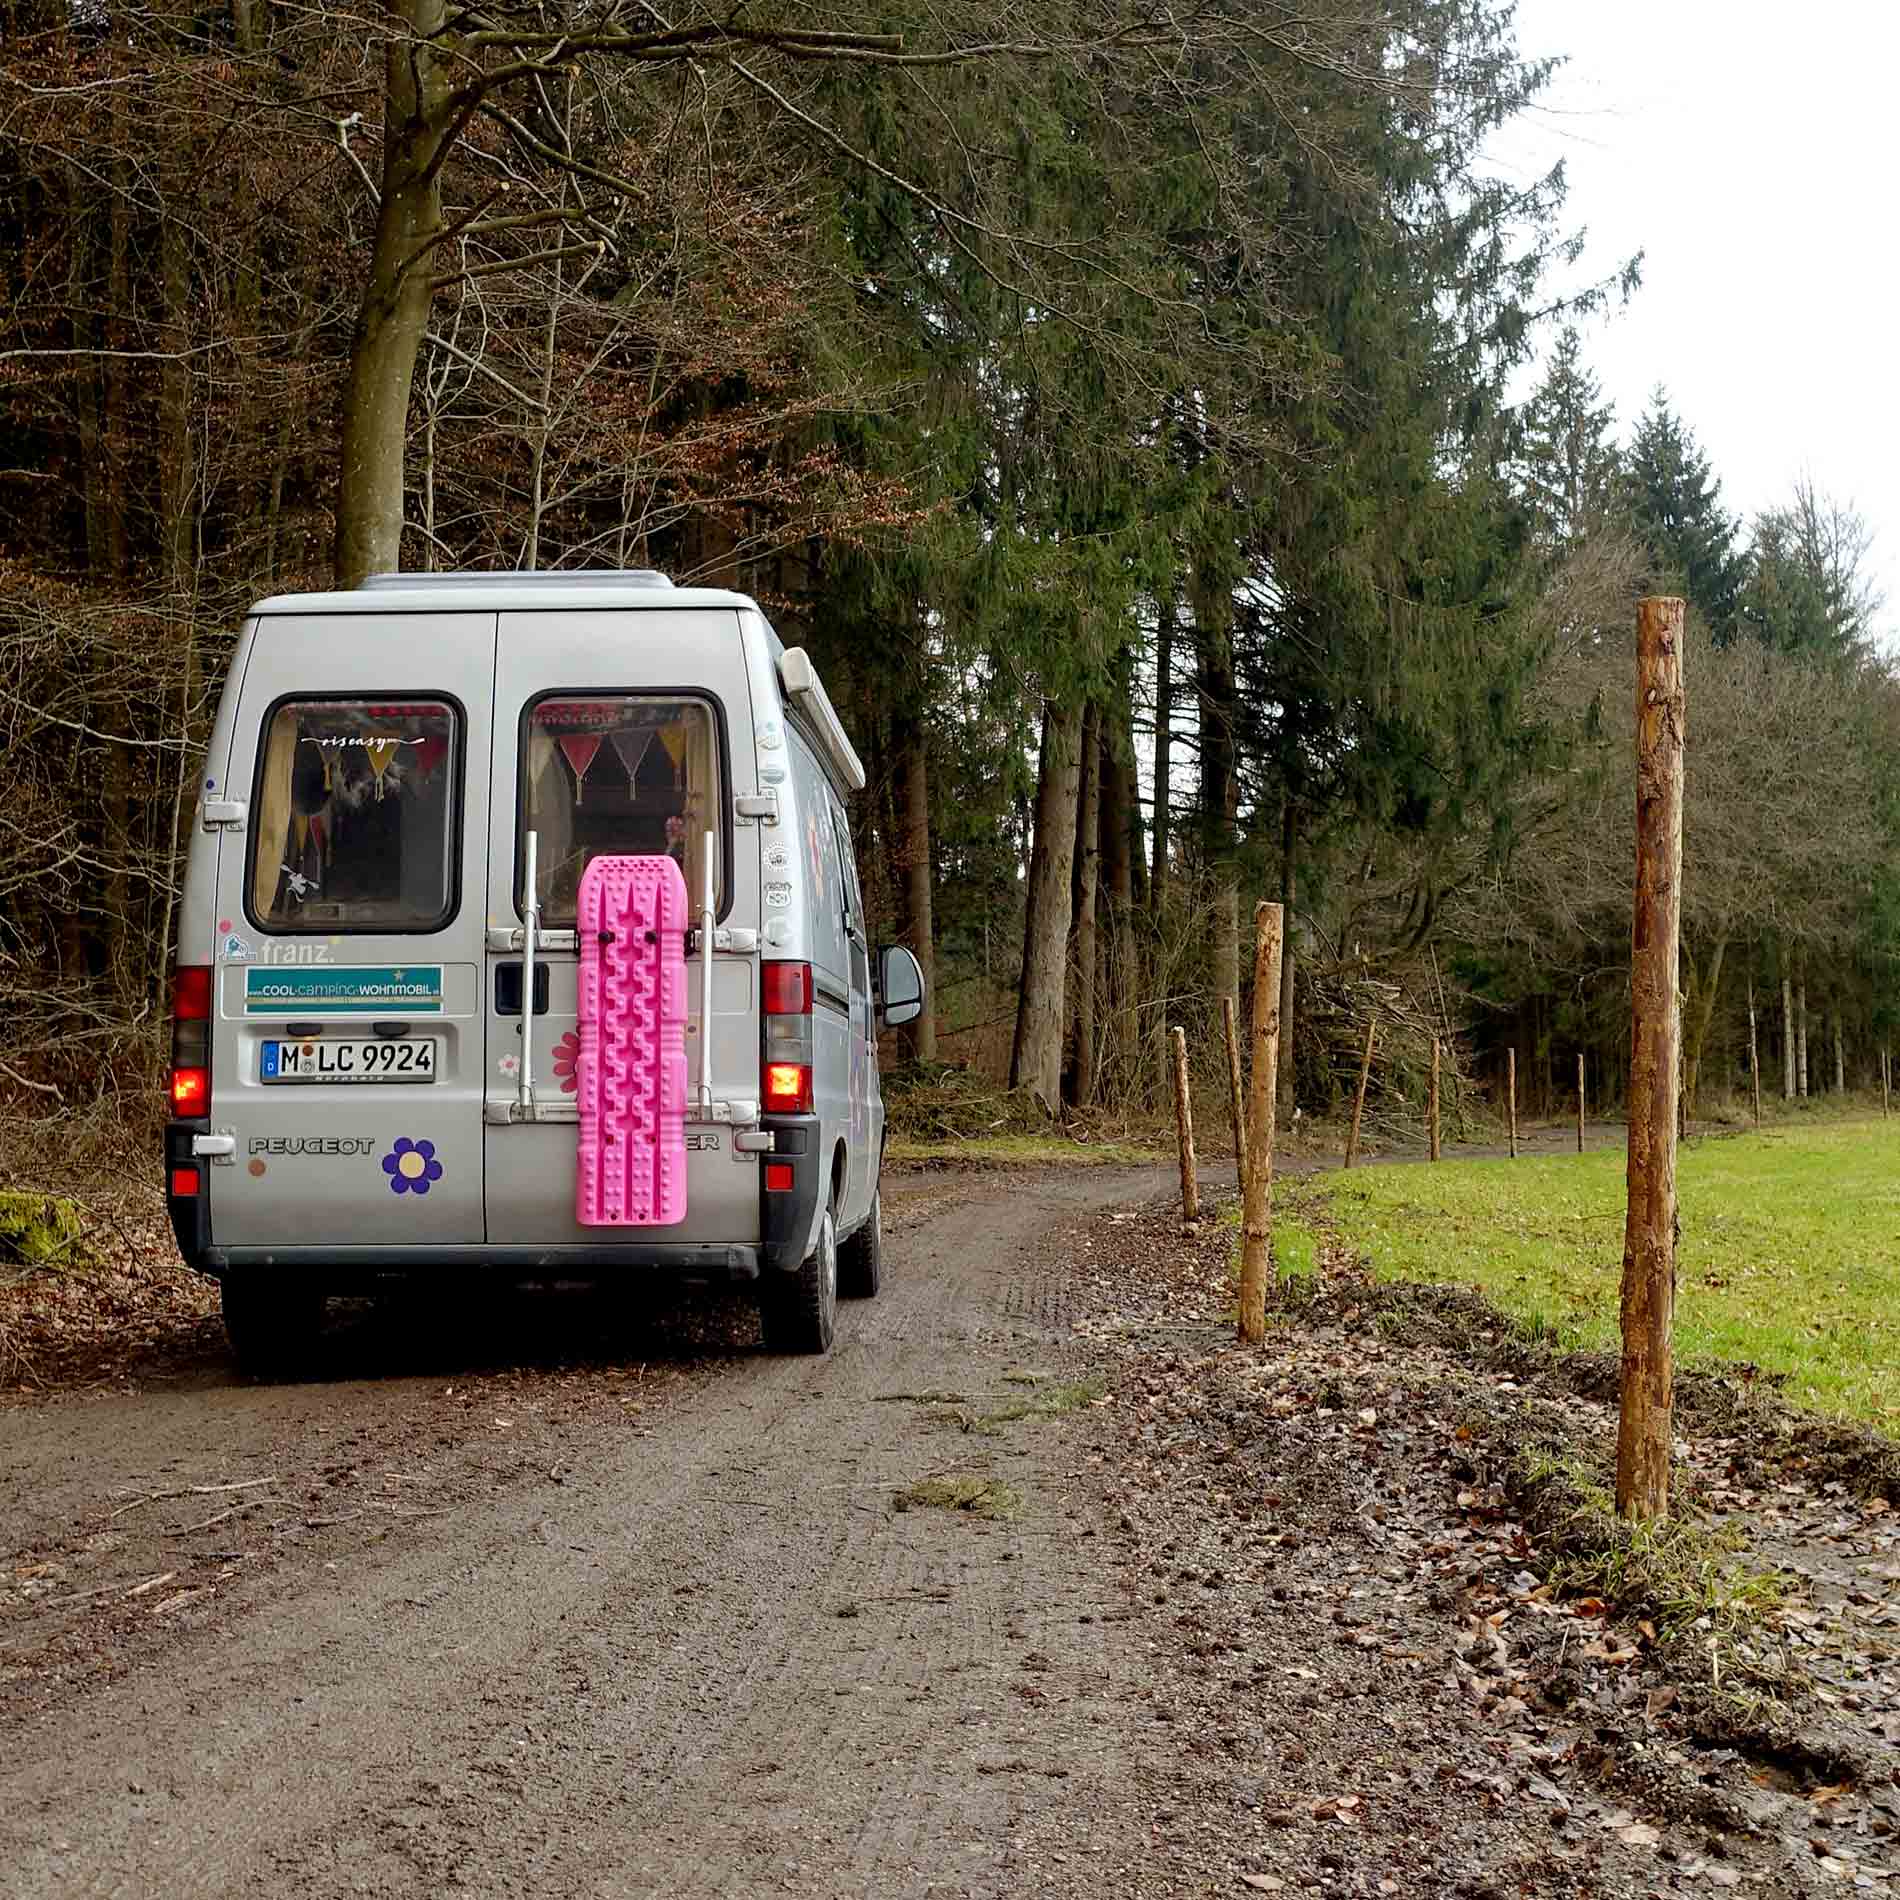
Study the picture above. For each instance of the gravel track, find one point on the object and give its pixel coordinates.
(511, 1643)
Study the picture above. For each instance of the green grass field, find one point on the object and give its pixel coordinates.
(1790, 1252)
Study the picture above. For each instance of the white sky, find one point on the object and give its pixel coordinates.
(1748, 151)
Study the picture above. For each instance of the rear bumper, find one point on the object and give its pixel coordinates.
(338, 1269)
(788, 1217)
(191, 1226)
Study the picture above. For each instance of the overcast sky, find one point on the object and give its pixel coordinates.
(1747, 150)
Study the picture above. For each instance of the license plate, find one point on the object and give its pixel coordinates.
(329, 1059)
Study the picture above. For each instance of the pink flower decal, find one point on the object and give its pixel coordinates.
(567, 1052)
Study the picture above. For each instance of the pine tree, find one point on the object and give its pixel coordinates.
(1568, 462)
(1673, 499)
(1807, 589)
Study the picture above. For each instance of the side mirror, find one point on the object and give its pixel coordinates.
(900, 987)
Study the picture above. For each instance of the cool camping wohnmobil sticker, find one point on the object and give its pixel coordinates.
(337, 990)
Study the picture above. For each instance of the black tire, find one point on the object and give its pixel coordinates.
(272, 1329)
(800, 1310)
(861, 1258)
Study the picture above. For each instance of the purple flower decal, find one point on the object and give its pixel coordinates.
(411, 1166)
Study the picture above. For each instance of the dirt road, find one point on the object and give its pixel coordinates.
(569, 1630)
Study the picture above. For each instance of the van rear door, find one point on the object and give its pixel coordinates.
(626, 732)
(348, 1047)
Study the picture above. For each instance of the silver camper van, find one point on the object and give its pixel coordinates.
(387, 1029)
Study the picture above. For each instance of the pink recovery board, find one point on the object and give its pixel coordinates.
(631, 1074)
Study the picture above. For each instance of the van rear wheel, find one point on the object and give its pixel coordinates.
(861, 1258)
(800, 1310)
(272, 1329)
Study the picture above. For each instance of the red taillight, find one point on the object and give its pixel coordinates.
(191, 1039)
(786, 988)
(778, 1177)
(184, 1182)
(788, 1088)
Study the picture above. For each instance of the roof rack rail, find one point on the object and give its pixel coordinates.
(534, 577)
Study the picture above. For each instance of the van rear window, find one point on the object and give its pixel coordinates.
(621, 774)
(352, 815)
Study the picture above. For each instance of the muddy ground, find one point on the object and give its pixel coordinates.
(1038, 1585)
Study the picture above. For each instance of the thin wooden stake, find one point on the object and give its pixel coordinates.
(1256, 1224)
(1645, 1417)
(1886, 1080)
(1228, 1012)
(1754, 1053)
(1184, 1122)
(1510, 1091)
(1431, 1101)
(1359, 1100)
(1580, 1101)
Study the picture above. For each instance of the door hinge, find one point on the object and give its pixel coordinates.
(500, 1114)
(220, 1146)
(506, 939)
(743, 943)
(756, 807)
(224, 814)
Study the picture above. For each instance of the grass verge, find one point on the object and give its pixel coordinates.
(1790, 1255)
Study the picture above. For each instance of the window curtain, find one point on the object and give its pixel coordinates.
(273, 811)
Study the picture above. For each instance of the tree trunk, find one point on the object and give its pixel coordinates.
(418, 115)
(1036, 1059)
(1700, 1016)
(1088, 862)
(914, 876)
(1289, 846)
(1644, 1419)
(1754, 1053)
(1801, 1021)
(1787, 1033)
(1220, 778)
(1161, 825)
(1120, 846)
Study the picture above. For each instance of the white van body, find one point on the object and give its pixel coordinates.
(355, 889)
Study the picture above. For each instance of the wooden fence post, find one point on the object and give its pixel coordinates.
(1184, 1123)
(1754, 1053)
(1580, 1101)
(1646, 1413)
(1228, 1011)
(1359, 1100)
(1510, 1090)
(1256, 1223)
(1431, 1101)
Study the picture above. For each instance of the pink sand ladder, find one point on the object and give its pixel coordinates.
(631, 1073)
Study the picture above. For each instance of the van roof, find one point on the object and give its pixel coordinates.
(503, 592)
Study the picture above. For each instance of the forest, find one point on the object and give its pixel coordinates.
(1161, 424)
